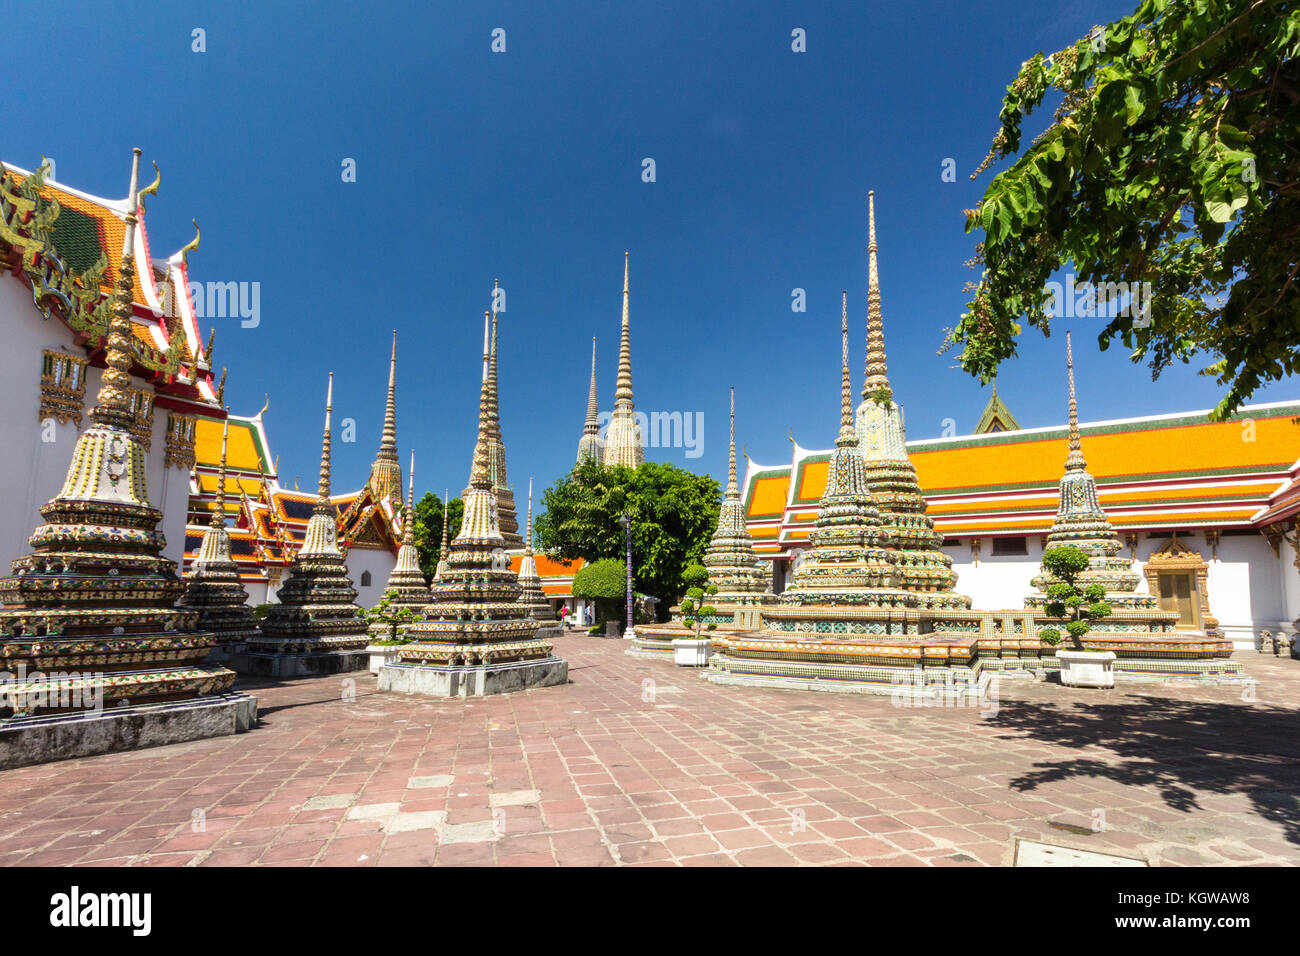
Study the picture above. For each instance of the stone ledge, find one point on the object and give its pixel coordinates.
(31, 740)
(441, 681)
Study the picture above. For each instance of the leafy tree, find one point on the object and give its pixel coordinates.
(428, 529)
(392, 617)
(673, 515)
(1173, 159)
(1077, 607)
(603, 582)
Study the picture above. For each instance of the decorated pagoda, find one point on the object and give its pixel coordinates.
(95, 654)
(213, 587)
(591, 447)
(406, 584)
(623, 445)
(743, 583)
(442, 551)
(496, 446)
(1144, 637)
(476, 638)
(531, 596)
(316, 628)
(385, 481)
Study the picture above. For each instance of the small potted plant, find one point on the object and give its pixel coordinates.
(386, 622)
(695, 651)
(1076, 607)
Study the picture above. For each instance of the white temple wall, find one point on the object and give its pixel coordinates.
(998, 582)
(380, 563)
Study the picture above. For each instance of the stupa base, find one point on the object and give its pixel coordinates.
(958, 684)
(37, 739)
(434, 680)
(550, 631)
(262, 663)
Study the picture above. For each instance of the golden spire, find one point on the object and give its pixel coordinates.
(480, 475)
(494, 412)
(113, 402)
(528, 534)
(408, 523)
(388, 442)
(219, 507)
(323, 492)
(732, 486)
(385, 480)
(623, 392)
(592, 425)
(846, 387)
(446, 524)
(487, 342)
(1074, 460)
(877, 371)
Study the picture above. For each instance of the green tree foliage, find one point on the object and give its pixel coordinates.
(391, 617)
(605, 583)
(673, 515)
(1067, 602)
(428, 529)
(1173, 158)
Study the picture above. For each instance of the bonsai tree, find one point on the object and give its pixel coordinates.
(1076, 606)
(391, 617)
(694, 610)
(603, 582)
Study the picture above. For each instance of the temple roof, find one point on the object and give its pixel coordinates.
(91, 229)
(1178, 470)
(996, 417)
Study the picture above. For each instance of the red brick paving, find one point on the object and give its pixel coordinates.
(643, 763)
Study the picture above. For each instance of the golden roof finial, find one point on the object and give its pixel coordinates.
(323, 490)
(212, 337)
(219, 508)
(1074, 460)
(877, 370)
(266, 406)
(221, 386)
(192, 244)
(151, 189)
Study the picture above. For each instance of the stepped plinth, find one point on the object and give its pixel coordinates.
(94, 654)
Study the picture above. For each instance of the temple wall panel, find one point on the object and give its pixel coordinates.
(380, 563)
(998, 582)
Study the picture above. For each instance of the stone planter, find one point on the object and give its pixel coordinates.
(1087, 668)
(612, 628)
(692, 652)
(381, 655)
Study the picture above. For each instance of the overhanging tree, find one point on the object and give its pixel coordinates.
(1173, 159)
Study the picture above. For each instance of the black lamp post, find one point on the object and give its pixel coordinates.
(626, 522)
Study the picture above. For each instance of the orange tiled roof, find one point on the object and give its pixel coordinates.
(1164, 471)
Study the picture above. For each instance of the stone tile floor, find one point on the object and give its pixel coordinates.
(643, 763)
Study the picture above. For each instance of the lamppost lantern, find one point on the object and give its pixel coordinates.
(626, 521)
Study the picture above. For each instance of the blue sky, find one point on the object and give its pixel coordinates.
(526, 165)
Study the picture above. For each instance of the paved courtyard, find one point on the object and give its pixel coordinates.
(643, 763)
